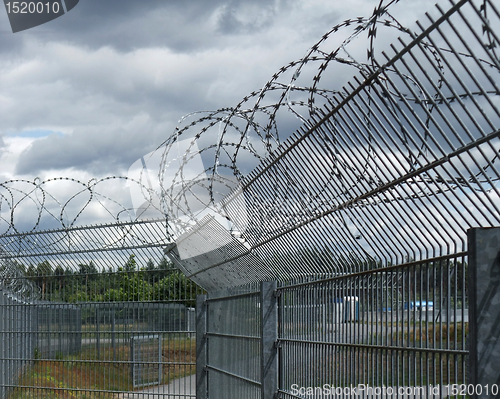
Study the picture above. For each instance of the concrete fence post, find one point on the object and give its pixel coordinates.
(269, 334)
(201, 347)
(484, 308)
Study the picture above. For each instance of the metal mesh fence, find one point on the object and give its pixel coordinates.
(74, 332)
(17, 344)
(145, 352)
(57, 328)
(233, 330)
(396, 167)
(390, 331)
(32, 331)
(361, 217)
(399, 327)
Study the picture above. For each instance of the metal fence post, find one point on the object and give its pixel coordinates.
(269, 337)
(201, 347)
(3, 346)
(484, 308)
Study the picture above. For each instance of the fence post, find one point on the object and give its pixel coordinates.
(3, 346)
(269, 338)
(201, 347)
(484, 308)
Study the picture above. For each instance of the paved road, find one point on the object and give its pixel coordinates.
(182, 388)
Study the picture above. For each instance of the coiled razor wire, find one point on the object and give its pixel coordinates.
(14, 281)
(211, 154)
(249, 132)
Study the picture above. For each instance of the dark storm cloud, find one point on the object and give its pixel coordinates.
(127, 25)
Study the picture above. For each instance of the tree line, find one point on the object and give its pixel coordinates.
(86, 283)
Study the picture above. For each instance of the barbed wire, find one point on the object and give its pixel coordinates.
(13, 281)
(210, 152)
(252, 128)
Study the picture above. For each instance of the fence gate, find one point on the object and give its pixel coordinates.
(146, 357)
(94, 322)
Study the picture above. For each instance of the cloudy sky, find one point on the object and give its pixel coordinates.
(89, 93)
(93, 90)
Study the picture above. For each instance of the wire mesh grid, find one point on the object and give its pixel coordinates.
(88, 298)
(396, 167)
(361, 217)
(145, 352)
(233, 332)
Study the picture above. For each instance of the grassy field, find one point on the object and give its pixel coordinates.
(86, 375)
